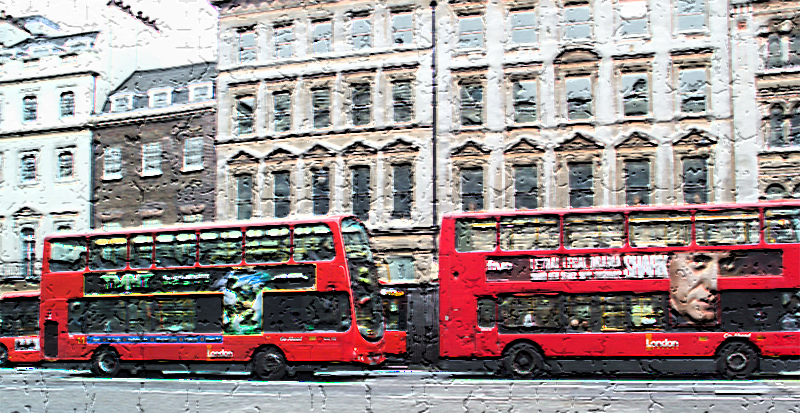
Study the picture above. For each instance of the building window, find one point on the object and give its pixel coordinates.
(28, 248)
(633, 18)
(151, 223)
(777, 132)
(361, 102)
(401, 101)
(635, 94)
(29, 109)
(362, 32)
(27, 173)
(783, 51)
(192, 218)
(470, 32)
(402, 191)
(67, 104)
(794, 127)
(523, 27)
(637, 182)
(581, 184)
(121, 104)
(691, 15)
(160, 99)
(321, 99)
(524, 101)
(695, 180)
(471, 105)
(401, 269)
(282, 193)
(323, 33)
(472, 189)
(247, 46)
(402, 28)
(111, 226)
(151, 158)
(65, 165)
(526, 187)
(112, 163)
(577, 21)
(193, 153)
(360, 191)
(284, 39)
(245, 106)
(282, 110)
(579, 98)
(200, 93)
(320, 191)
(692, 89)
(244, 197)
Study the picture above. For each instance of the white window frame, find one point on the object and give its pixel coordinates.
(392, 29)
(314, 39)
(151, 167)
(564, 24)
(535, 27)
(117, 154)
(126, 96)
(193, 91)
(592, 105)
(190, 144)
(151, 94)
(60, 152)
(283, 26)
(370, 35)
(240, 49)
(706, 91)
(459, 33)
(61, 104)
(22, 157)
(677, 15)
(621, 20)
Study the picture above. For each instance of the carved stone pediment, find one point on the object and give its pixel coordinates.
(470, 149)
(279, 155)
(637, 140)
(192, 209)
(27, 212)
(319, 151)
(399, 146)
(579, 143)
(243, 158)
(696, 138)
(576, 56)
(359, 149)
(524, 146)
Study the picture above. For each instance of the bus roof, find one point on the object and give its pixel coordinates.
(19, 294)
(206, 226)
(601, 210)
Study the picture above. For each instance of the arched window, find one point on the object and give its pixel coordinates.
(776, 133)
(776, 191)
(774, 58)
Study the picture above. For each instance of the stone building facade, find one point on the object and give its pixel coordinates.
(154, 150)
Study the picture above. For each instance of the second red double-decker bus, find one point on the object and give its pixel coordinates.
(267, 295)
(19, 328)
(682, 289)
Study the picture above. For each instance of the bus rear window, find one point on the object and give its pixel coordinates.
(268, 244)
(141, 251)
(67, 255)
(476, 235)
(176, 249)
(529, 233)
(782, 226)
(313, 243)
(108, 253)
(304, 312)
(726, 227)
(19, 317)
(660, 229)
(221, 247)
(594, 231)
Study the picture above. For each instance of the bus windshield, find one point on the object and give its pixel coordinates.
(363, 273)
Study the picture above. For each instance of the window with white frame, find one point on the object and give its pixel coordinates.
(361, 104)
(66, 167)
(470, 32)
(782, 51)
(471, 104)
(579, 98)
(321, 102)
(282, 110)
(523, 26)
(632, 18)
(361, 31)
(121, 103)
(783, 127)
(29, 109)
(159, 99)
(247, 46)
(524, 101)
(27, 171)
(402, 28)
(284, 41)
(577, 21)
(151, 223)
(402, 103)
(692, 89)
(151, 158)
(200, 93)
(691, 15)
(193, 153)
(322, 31)
(67, 104)
(245, 108)
(635, 94)
(401, 269)
(112, 163)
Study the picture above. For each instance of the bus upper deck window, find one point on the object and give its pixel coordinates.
(594, 231)
(108, 253)
(782, 226)
(735, 227)
(176, 249)
(313, 243)
(267, 244)
(529, 233)
(660, 229)
(221, 247)
(67, 255)
(476, 235)
(141, 251)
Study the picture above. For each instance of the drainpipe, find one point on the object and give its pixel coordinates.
(434, 175)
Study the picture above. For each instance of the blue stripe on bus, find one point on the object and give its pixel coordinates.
(152, 339)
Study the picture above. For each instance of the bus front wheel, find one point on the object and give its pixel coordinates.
(3, 356)
(106, 363)
(737, 360)
(523, 360)
(269, 364)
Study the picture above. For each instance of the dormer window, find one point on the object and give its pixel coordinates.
(121, 103)
(199, 93)
(160, 98)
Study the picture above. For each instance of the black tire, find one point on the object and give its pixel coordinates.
(3, 356)
(737, 360)
(269, 365)
(523, 360)
(106, 363)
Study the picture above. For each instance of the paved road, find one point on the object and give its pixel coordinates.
(61, 391)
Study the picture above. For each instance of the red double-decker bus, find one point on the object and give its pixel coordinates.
(672, 289)
(19, 328)
(266, 295)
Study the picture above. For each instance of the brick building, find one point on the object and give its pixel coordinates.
(154, 160)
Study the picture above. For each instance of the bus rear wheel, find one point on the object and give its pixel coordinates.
(106, 363)
(523, 360)
(269, 364)
(3, 356)
(737, 360)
